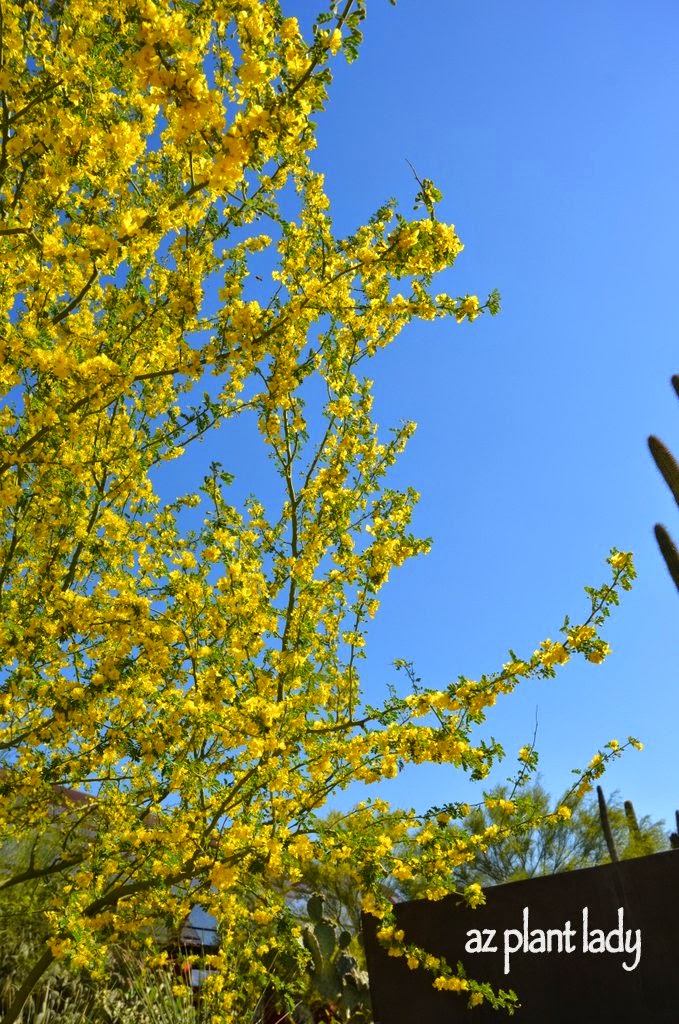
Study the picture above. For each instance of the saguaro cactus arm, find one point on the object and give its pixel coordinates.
(669, 551)
(666, 463)
(606, 825)
(669, 468)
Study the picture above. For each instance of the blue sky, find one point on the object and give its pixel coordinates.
(551, 130)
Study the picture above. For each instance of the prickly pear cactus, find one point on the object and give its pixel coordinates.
(338, 985)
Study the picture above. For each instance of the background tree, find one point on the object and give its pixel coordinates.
(192, 667)
(554, 843)
(533, 836)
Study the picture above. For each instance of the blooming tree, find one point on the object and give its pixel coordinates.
(200, 683)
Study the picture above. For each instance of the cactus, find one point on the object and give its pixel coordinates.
(632, 823)
(669, 468)
(674, 838)
(334, 973)
(640, 843)
(666, 463)
(606, 825)
(669, 552)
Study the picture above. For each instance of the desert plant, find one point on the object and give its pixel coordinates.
(334, 973)
(669, 468)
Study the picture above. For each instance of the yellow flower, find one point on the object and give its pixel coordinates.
(474, 895)
(468, 309)
(598, 655)
(580, 635)
(223, 876)
(516, 668)
(335, 41)
(451, 984)
(621, 559)
(552, 654)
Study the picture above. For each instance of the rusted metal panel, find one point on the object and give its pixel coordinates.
(592, 909)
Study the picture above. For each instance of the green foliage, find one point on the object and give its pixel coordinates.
(131, 994)
(349, 18)
(551, 844)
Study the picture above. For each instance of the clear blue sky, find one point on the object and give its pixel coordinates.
(551, 129)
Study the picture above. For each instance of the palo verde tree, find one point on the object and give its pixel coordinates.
(200, 685)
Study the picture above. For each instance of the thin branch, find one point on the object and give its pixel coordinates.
(78, 298)
(32, 873)
(317, 60)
